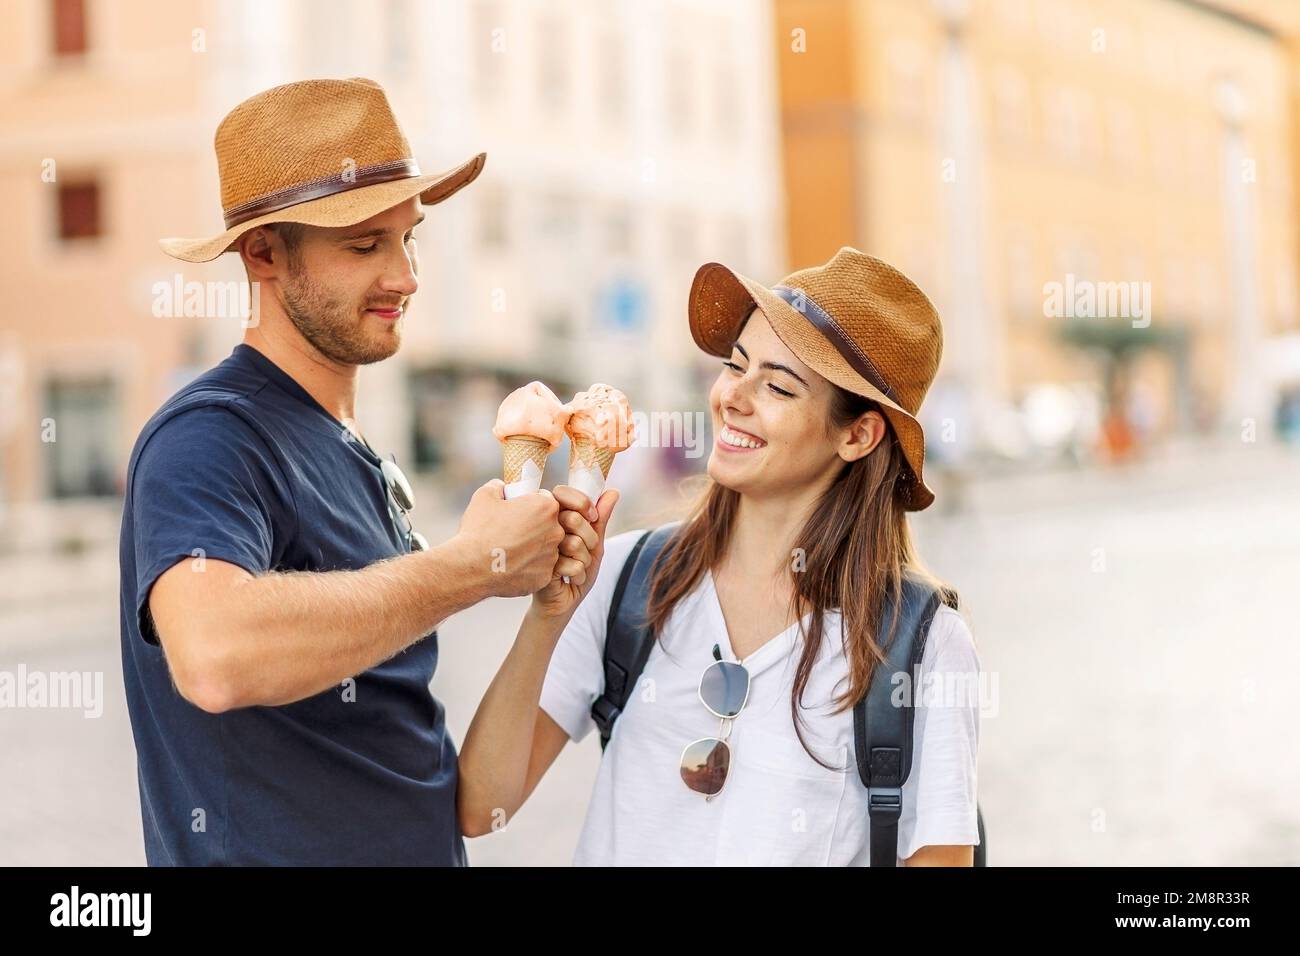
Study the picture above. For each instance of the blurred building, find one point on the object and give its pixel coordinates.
(101, 131)
(991, 147)
(627, 144)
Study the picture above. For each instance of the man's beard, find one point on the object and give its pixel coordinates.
(337, 332)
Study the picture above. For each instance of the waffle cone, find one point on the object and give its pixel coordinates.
(517, 450)
(583, 451)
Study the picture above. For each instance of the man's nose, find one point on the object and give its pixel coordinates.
(401, 277)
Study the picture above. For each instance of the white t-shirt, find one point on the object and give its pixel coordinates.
(778, 806)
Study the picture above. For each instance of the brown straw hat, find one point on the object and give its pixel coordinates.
(321, 152)
(856, 321)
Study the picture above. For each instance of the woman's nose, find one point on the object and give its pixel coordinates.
(735, 393)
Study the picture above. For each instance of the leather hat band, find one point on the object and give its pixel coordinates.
(858, 360)
(293, 195)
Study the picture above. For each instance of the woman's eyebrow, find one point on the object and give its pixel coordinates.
(775, 367)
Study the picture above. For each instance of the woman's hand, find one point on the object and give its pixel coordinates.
(580, 551)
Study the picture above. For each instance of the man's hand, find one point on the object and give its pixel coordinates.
(515, 543)
(580, 551)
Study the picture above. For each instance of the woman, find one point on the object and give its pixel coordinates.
(784, 565)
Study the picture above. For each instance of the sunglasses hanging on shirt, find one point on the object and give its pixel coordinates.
(724, 690)
(401, 499)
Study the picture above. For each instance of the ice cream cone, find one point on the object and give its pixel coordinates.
(589, 466)
(524, 460)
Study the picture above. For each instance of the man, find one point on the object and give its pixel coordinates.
(279, 612)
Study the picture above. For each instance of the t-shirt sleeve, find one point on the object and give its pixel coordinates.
(941, 808)
(576, 675)
(205, 486)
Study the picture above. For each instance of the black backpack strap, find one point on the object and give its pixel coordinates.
(882, 732)
(627, 633)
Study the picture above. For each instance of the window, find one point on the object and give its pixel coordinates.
(1069, 121)
(1209, 303)
(398, 38)
(81, 459)
(680, 101)
(1122, 127)
(69, 22)
(1011, 105)
(493, 229)
(1023, 293)
(728, 104)
(613, 79)
(557, 333)
(735, 244)
(489, 47)
(618, 231)
(1284, 297)
(681, 230)
(905, 65)
(79, 210)
(558, 219)
(552, 64)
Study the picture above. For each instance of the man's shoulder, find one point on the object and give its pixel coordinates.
(215, 411)
(232, 383)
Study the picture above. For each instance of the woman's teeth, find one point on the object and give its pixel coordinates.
(739, 440)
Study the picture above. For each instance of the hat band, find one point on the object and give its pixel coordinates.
(325, 186)
(844, 343)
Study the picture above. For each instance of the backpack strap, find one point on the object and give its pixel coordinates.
(627, 633)
(882, 732)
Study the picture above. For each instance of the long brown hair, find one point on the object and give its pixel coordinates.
(854, 551)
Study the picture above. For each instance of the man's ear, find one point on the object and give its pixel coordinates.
(861, 437)
(263, 253)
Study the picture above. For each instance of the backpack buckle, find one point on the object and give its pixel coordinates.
(885, 802)
(604, 712)
(885, 795)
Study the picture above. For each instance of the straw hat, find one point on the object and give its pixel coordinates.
(321, 152)
(856, 321)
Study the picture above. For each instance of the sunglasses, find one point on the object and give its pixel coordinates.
(724, 690)
(401, 499)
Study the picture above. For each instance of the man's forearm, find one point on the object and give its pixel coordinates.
(287, 636)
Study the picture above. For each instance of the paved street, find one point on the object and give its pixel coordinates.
(1140, 626)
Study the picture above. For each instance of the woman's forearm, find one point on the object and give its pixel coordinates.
(494, 756)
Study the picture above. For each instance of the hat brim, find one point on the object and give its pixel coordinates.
(721, 300)
(346, 208)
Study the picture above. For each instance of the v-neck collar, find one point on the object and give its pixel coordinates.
(290, 386)
(763, 657)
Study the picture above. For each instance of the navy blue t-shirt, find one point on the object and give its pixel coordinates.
(243, 465)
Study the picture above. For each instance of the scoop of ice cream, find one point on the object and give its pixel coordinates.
(602, 416)
(533, 410)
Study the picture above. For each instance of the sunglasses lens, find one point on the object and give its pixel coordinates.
(724, 687)
(705, 764)
(419, 542)
(398, 485)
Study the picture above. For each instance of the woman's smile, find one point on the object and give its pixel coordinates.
(733, 439)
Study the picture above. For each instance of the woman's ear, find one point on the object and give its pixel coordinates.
(862, 436)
